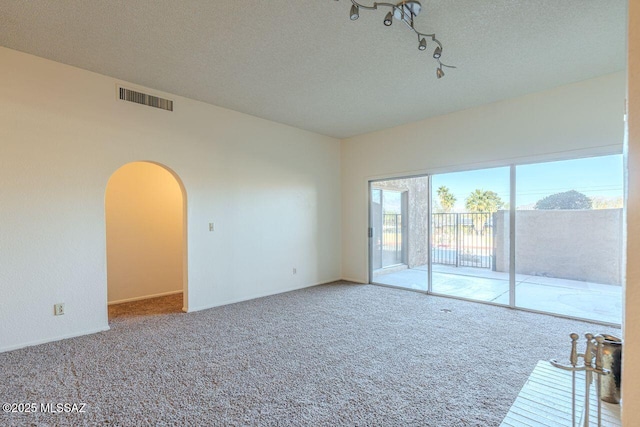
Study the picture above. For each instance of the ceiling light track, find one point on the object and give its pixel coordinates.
(405, 11)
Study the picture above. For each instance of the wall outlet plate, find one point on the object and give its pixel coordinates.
(58, 309)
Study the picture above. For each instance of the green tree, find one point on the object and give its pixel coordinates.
(484, 203)
(568, 200)
(447, 200)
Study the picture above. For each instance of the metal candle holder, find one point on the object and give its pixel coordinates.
(595, 345)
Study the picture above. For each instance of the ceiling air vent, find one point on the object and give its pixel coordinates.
(144, 99)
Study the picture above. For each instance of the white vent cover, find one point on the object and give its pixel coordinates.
(144, 99)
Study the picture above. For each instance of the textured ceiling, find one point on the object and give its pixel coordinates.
(304, 63)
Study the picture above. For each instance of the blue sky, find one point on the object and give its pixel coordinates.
(595, 177)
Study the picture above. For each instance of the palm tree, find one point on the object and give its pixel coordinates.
(447, 200)
(484, 202)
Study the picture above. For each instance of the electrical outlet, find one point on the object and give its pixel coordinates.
(295, 270)
(210, 226)
(58, 309)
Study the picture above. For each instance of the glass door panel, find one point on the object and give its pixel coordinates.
(470, 234)
(398, 248)
(569, 237)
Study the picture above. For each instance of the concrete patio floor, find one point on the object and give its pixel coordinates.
(586, 300)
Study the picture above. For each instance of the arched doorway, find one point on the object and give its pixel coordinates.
(145, 211)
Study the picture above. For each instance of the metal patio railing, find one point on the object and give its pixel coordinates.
(463, 239)
(391, 245)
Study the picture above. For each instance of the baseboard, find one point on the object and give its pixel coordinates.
(164, 294)
(58, 338)
(260, 295)
(358, 281)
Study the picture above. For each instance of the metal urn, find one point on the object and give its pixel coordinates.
(611, 360)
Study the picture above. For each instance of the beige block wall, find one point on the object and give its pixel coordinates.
(583, 245)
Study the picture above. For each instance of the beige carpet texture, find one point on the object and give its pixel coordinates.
(330, 355)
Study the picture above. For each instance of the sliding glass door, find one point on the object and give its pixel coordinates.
(398, 230)
(545, 237)
(467, 240)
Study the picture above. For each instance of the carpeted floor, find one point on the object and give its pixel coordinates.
(336, 354)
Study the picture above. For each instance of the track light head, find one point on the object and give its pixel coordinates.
(388, 20)
(355, 12)
(404, 11)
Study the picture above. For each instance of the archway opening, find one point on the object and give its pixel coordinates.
(145, 210)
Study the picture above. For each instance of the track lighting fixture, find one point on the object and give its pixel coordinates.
(388, 20)
(405, 11)
(440, 71)
(355, 12)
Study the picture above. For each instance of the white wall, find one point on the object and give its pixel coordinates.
(631, 325)
(271, 190)
(584, 118)
(145, 224)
